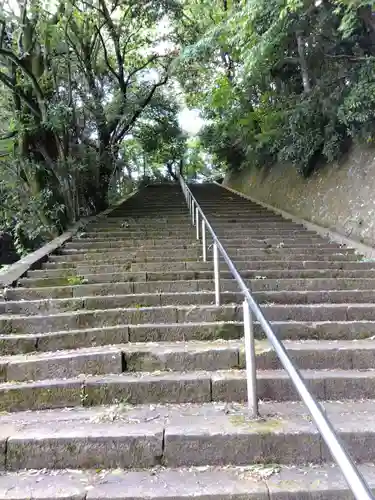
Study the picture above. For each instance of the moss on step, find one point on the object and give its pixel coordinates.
(261, 347)
(226, 331)
(75, 280)
(262, 426)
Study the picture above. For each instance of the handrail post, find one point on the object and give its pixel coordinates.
(204, 245)
(197, 221)
(216, 274)
(251, 374)
(193, 211)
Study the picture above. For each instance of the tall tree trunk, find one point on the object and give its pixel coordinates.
(303, 62)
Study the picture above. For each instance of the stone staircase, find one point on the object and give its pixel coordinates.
(122, 380)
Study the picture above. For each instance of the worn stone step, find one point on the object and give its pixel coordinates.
(301, 274)
(333, 384)
(63, 262)
(302, 286)
(180, 262)
(226, 483)
(256, 224)
(129, 254)
(127, 229)
(181, 387)
(103, 302)
(181, 232)
(316, 297)
(102, 246)
(75, 339)
(181, 244)
(137, 234)
(250, 482)
(196, 251)
(194, 265)
(320, 330)
(89, 390)
(132, 357)
(251, 244)
(314, 483)
(95, 244)
(19, 324)
(92, 268)
(250, 240)
(174, 436)
(184, 356)
(316, 355)
(86, 337)
(121, 260)
(230, 246)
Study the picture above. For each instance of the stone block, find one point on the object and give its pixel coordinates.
(95, 446)
(149, 388)
(40, 395)
(63, 366)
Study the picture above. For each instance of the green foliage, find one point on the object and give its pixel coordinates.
(75, 280)
(281, 81)
(77, 80)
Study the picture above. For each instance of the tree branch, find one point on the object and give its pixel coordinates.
(120, 135)
(8, 83)
(105, 52)
(38, 91)
(9, 135)
(116, 41)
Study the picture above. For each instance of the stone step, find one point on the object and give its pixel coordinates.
(196, 265)
(145, 243)
(137, 228)
(175, 436)
(71, 261)
(86, 337)
(195, 275)
(180, 245)
(122, 358)
(176, 266)
(120, 260)
(129, 254)
(101, 302)
(252, 241)
(93, 245)
(250, 482)
(261, 224)
(302, 286)
(315, 354)
(181, 387)
(185, 357)
(20, 324)
(196, 248)
(157, 483)
(75, 339)
(182, 231)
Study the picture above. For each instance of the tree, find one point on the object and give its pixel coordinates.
(295, 85)
(74, 81)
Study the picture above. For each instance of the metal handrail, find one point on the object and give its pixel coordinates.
(352, 475)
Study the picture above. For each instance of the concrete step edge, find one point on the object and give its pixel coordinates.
(181, 387)
(202, 297)
(209, 355)
(251, 482)
(226, 432)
